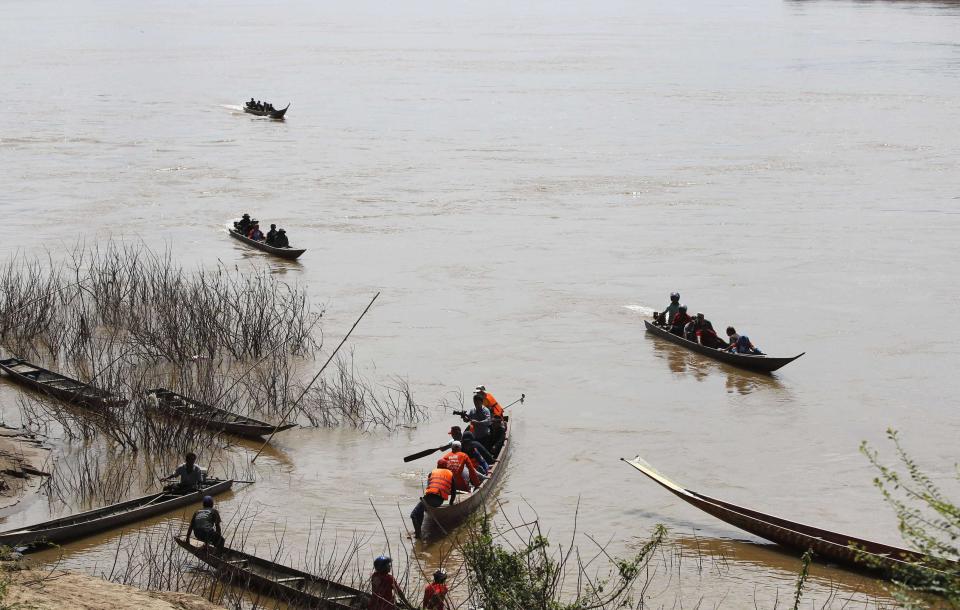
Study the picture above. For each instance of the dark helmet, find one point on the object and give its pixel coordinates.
(281, 230)
(246, 215)
(208, 501)
(683, 308)
(674, 296)
(440, 575)
(273, 226)
(468, 436)
(382, 563)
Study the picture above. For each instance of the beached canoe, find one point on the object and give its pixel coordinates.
(273, 114)
(287, 253)
(286, 584)
(213, 418)
(90, 522)
(447, 516)
(827, 546)
(59, 386)
(761, 364)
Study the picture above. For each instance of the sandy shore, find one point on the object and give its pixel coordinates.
(22, 459)
(41, 590)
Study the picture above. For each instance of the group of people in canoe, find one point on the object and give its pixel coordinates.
(251, 230)
(473, 452)
(261, 106)
(698, 329)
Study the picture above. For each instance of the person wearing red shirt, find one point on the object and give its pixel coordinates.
(435, 595)
(384, 587)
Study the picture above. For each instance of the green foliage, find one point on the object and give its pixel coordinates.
(529, 575)
(802, 579)
(929, 523)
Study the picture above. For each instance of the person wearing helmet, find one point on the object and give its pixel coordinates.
(679, 321)
(205, 524)
(439, 488)
(435, 596)
(671, 310)
(384, 587)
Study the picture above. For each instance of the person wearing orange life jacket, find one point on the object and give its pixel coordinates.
(439, 488)
(459, 463)
(487, 399)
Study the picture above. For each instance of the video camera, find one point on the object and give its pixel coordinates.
(461, 413)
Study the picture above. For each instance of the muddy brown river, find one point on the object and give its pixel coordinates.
(525, 182)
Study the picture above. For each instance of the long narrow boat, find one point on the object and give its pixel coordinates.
(212, 417)
(287, 584)
(826, 545)
(273, 114)
(59, 386)
(90, 522)
(447, 516)
(761, 364)
(287, 253)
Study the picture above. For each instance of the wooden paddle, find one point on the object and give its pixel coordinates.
(426, 452)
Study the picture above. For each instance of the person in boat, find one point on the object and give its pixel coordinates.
(460, 464)
(251, 103)
(479, 419)
(704, 333)
(435, 595)
(191, 475)
(439, 489)
(281, 241)
(668, 314)
(271, 234)
(680, 320)
(488, 400)
(243, 225)
(205, 525)
(498, 434)
(741, 344)
(384, 587)
(477, 452)
(255, 233)
(270, 107)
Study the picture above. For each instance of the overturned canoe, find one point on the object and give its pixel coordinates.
(213, 418)
(59, 386)
(90, 522)
(447, 516)
(287, 584)
(761, 364)
(287, 252)
(826, 545)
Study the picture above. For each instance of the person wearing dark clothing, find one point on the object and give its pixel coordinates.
(251, 103)
(243, 225)
(470, 444)
(498, 433)
(272, 234)
(191, 475)
(205, 524)
(679, 320)
(281, 241)
(704, 333)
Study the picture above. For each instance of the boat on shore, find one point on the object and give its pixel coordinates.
(59, 386)
(286, 584)
(90, 522)
(827, 546)
(277, 115)
(760, 364)
(447, 516)
(213, 418)
(287, 252)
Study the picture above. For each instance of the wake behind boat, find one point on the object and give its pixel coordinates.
(826, 545)
(258, 108)
(90, 522)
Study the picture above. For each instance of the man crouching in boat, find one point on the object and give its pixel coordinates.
(439, 488)
(206, 525)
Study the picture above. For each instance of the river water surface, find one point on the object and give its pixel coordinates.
(524, 182)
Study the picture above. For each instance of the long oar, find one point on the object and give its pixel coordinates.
(314, 380)
(426, 452)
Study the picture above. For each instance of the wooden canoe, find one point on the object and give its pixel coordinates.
(447, 516)
(287, 253)
(273, 114)
(287, 584)
(760, 364)
(827, 546)
(213, 418)
(59, 386)
(90, 522)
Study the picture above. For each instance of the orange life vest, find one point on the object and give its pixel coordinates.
(456, 462)
(491, 403)
(440, 483)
